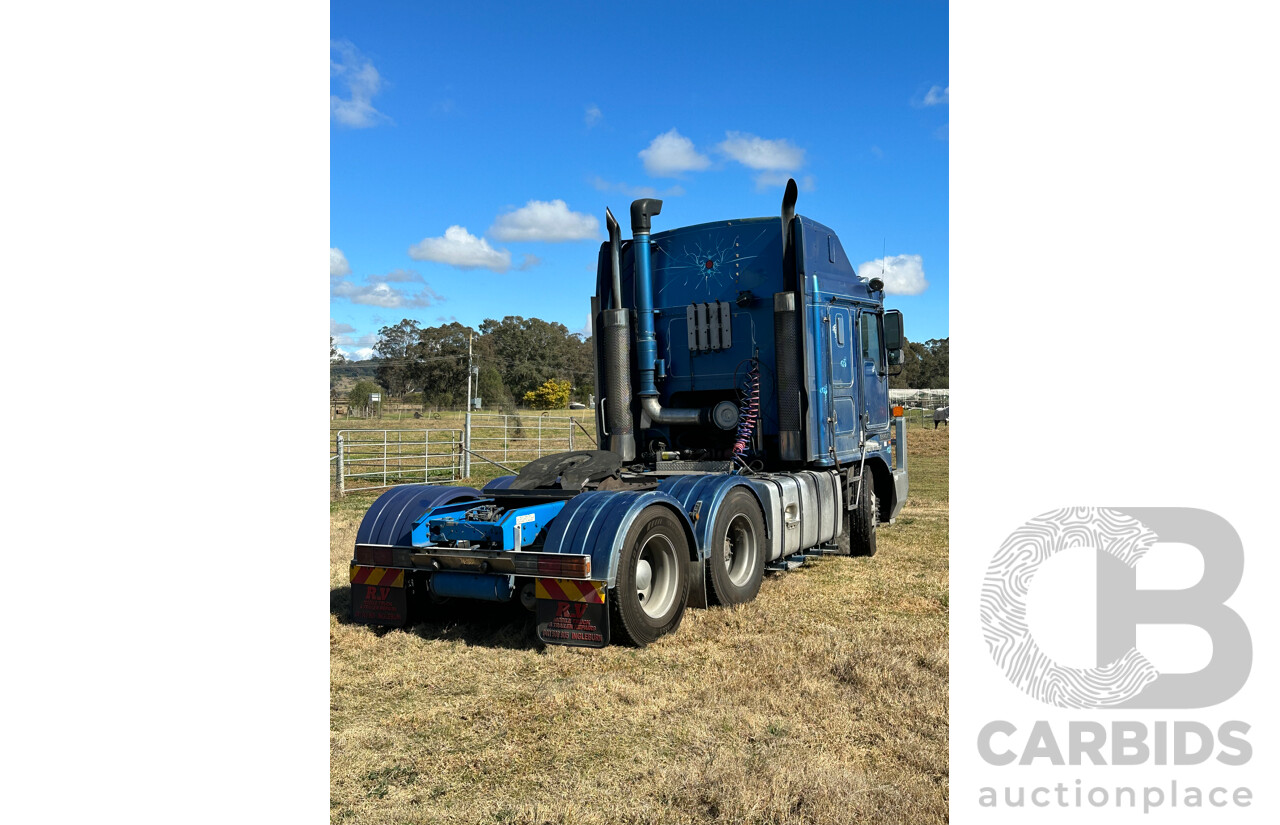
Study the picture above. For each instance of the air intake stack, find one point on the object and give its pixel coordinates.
(642, 211)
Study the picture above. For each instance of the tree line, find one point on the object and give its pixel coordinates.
(516, 357)
(924, 366)
(513, 357)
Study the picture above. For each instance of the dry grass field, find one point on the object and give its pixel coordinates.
(823, 701)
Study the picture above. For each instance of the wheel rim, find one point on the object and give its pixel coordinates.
(657, 575)
(740, 550)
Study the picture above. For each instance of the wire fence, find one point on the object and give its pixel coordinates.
(369, 459)
(375, 459)
(519, 439)
(920, 404)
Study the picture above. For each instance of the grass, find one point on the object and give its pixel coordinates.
(823, 701)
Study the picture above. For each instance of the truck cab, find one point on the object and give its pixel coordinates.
(759, 327)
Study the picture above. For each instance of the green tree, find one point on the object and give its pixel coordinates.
(579, 360)
(334, 355)
(552, 395)
(528, 351)
(490, 388)
(396, 347)
(360, 393)
(908, 373)
(924, 366)
(935, 370)
(440, 364)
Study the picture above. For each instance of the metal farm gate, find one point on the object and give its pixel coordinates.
(513, 440)
(374, 459)
(377, 459)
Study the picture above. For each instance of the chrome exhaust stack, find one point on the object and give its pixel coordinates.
(615, 340)
(787, 347)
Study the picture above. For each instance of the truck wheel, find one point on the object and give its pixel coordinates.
(648, 598)
(859, 537)
(737, 550)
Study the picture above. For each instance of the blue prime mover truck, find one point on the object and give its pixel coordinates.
(744, 426)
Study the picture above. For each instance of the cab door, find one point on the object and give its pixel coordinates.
(873, 386)
(843, 413)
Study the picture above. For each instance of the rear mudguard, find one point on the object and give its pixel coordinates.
(499, 483)
(596, 522)
(390, 519)
(710, 490)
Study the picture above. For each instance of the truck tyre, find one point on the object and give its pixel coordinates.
(736, 564)
(859, 537)
(648, 598)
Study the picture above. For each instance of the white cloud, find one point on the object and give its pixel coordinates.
(545, 221)
(769, 180)
(461, 249)
(937, 95)
(759, 153)
(903, 274)
(636, 191)
(528, 262)
(358, 354)
(352, 347)
(338, 266)
(585, 332)
(355, 71)
(593, 115)
(379, 293)
(670, 154)
(402, 276)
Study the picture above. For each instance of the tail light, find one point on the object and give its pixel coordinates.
(553, 565)
(578, 567)
(371, 554)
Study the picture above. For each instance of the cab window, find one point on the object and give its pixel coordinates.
(870, 324)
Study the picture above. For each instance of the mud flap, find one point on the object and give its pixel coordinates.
(572, 613)
(378, 596)
(697, 584)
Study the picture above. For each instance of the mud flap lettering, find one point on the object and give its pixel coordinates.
(572, 613)
(383, 603)
(573, 623)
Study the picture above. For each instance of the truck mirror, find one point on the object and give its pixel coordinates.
(893, 330)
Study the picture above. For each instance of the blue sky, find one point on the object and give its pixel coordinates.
(474, 147)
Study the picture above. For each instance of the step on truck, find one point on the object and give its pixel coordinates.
(744, 423)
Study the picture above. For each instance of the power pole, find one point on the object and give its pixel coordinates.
(466, 433)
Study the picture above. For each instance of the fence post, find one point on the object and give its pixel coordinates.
(570, 434)
(342, 482)
(539, 436)
(505, 437)
(384, 458)
(466, 443)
